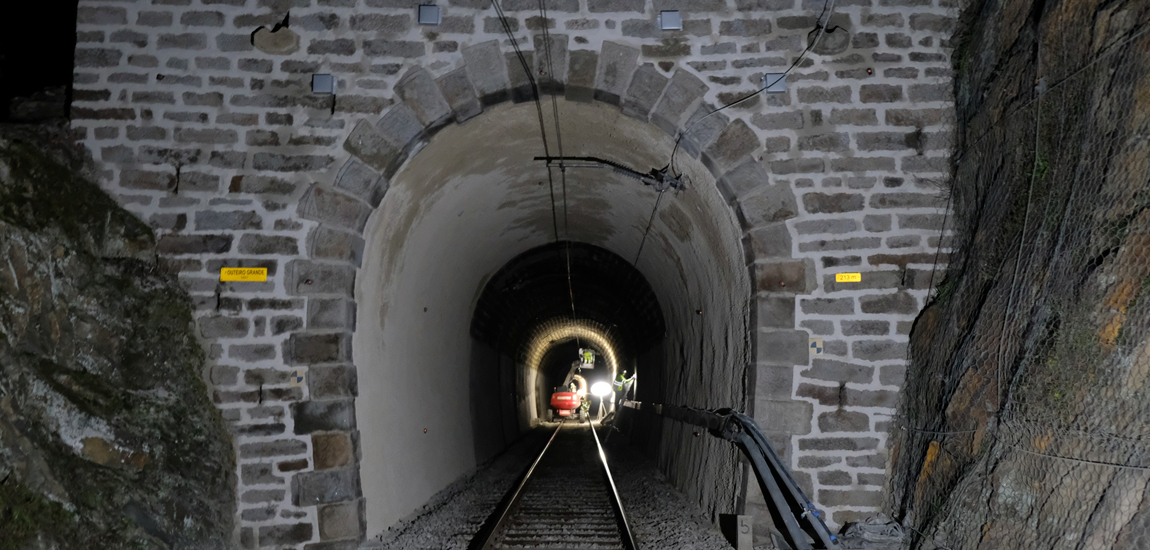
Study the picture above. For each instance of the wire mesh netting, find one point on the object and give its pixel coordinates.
(1025, 419)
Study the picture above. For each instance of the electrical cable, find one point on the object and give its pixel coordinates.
(820, 26)
(538, 104)
(562, 167)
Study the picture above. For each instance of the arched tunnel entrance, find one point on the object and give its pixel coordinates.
(461, 294)
(537, 313)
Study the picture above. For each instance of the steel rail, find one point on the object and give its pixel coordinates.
(616, 503)
(505, 514)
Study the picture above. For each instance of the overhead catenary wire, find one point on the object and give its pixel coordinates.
(820, 25)
(562, 168)
(538, 104)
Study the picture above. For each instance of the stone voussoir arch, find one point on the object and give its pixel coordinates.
(488, 76)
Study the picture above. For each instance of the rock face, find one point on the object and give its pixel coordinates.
(1026, 404)
(107, 436)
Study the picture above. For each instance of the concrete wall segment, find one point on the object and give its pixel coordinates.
(167, 89)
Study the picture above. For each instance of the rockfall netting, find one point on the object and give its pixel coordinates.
(1025, 419)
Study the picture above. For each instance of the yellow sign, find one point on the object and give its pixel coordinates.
(244, 274)
(848, 277)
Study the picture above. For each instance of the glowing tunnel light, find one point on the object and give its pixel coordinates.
(601, 389)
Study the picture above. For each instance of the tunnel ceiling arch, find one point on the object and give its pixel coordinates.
(533, 288)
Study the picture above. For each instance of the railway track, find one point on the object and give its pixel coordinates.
(565, 501)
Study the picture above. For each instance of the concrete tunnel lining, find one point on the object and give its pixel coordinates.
(466, 204)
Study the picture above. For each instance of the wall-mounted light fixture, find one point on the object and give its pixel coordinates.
(670, 20)
(775, 82)
(429, 15)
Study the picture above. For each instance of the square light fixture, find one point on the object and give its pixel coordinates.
(775, 82)
(322, 84)
(429, 15)
(670, 20)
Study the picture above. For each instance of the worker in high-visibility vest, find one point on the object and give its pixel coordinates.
(587, 356)
(622, 386)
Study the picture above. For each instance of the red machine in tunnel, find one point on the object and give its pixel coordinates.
(570, 403)
(566, 403)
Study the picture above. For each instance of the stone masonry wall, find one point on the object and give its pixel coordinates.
(222, 148)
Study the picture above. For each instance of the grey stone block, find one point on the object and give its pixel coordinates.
(646, 86)
(487, 69)
(862, 164)
(773, 382)
(551, 62)
(681, 94)
(824, 245)
(359, 180)
(743, 178)
(797, 277)
(736, 142)
(898, 302)
(834, 477)
(820, 94)
(323, 416)
(380, 23)
(369, 146)
(333, 382)
(239, 219)
(419, 91)
(818, 327)
(827, 306)
(774, 203)
(326, 243)
(865, 328)
(581, 71)
(617, 64)
(249, 353)
(608, 6)
(870, 398)
(460, 95)
(223, 327)
(877, 461)
(329, 313)
(305, 278)
(905, 200)
(267, 449)
(400, 127)
(194, 244)
(307, 349)
(792, 120)
(334, 208)
(821, 227)
(342, 521)
(878, 350)
(290, 163)
(838, 371)
(746, 27)
(268, 244)
(702, 129)
(776, 312)
(768, 241)
(880, 93)
(793, 417)
(312, 488)
(275, 535)
(394, 48)
(892, 375)
(844, 421)
(828, 203)
(521, 89)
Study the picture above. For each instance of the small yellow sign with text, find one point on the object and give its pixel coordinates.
(848, 277)
(246, 274)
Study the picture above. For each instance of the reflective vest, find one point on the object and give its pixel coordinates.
(617, 385)
(588, 357)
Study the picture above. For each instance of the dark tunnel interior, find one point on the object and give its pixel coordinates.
(523, 336)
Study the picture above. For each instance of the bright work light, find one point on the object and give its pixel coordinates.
(601, 389)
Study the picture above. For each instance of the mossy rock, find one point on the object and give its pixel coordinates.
(108, 438)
